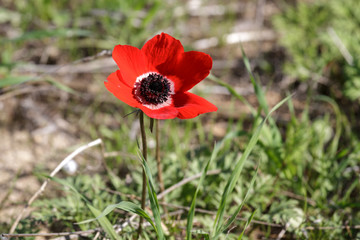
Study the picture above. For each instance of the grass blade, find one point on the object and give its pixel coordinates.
(191, 214)
(103, 221)
(240, 160)
(238, 167)
(232, 92)
(335, 142)
(126, 206)
(246, 225)
(233, 217)
(260, 95)
(62, 87)
(153, 200)
(192, 207)
(70, 186)
(13, 80)
(257, 88)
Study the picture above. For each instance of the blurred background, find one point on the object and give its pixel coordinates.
(55, 56)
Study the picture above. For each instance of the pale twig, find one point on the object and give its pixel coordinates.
(97, 235)
(333, 227)
(119, 153)
(235, 38)
(104, 65)
(86, 232)
(53, 173)
(129, 222)
(53, 69)
(14, 93)
(228, 232)
(341, 46)
(282, 232)
(199, 210)
(295, 196)
(48, 70)
(103, 53)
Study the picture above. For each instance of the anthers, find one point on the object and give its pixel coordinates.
(153, 90)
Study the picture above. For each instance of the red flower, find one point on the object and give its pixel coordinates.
(157, 78)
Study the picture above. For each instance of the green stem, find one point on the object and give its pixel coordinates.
(158, 160)
(144, 151)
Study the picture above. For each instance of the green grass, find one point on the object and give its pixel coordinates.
(301, 173)
(325, 28)
(307, 162)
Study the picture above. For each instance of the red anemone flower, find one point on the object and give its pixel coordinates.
(157, 78)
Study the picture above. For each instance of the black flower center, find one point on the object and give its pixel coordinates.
(152, 89)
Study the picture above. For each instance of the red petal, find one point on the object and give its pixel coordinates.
(190, 105)
(190, 68)
(185, 69)
(131, 62)
(162, 113)
(120, 90)
(161, 49)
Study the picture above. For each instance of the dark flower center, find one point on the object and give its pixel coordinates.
(152, 89)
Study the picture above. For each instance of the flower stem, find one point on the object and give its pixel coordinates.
(144, 152)
(158, 161)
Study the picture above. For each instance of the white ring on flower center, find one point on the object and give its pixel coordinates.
(168, 102)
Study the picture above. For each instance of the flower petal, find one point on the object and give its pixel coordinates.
(162, 113)
(131, 62)
(162, 49)
(190, 105)
(189, 69)
(120, 90)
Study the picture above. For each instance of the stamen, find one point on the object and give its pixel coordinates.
(153, 90)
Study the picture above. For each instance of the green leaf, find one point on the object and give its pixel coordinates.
(104, 222)
(13, 80)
